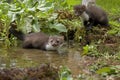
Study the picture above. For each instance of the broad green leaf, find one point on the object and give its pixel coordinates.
(44, 6)
(53, 17)
(4, 7)
(41, 14)
(58, 26)
(86, 49)
(104, 70)
(35, 25)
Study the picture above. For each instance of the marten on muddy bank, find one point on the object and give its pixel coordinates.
(92, 16)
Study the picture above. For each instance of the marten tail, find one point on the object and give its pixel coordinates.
(16, 33)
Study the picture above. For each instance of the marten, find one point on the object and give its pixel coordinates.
(38, 40)
(91, 15)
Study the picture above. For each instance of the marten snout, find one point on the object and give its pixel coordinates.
(55, 43)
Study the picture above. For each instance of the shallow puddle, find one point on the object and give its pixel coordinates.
(18, 57)
(22, 58)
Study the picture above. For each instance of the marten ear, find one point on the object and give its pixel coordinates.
(50, 37)
(61, 37)
(76, 7)
(13, 24)
(83, 7)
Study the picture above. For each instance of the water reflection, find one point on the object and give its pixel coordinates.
(19, 57)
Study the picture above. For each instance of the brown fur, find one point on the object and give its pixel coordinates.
(92, 16)
(37, 40)
(95, 13)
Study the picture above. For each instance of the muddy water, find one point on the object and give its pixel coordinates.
(18, 57)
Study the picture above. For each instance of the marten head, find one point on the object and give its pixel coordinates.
(13, 24)
(54, 42)
(79, 9)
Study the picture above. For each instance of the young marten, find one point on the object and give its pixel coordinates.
(91, 15)
(37, 40)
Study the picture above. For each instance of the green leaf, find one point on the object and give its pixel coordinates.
(44, 6)
(104, 70)
(65, 74)
(86, 49)
(36, 26)
(53, 17)
(58, 26)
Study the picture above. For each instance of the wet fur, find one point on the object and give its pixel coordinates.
(35, 40)
(38, 40)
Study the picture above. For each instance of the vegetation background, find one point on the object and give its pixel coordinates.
(57, 17)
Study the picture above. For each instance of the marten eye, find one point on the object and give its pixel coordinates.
(51, 40)
(57, 41)
(80, 11)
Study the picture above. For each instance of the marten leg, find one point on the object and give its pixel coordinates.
(88, 26)
(85, 23)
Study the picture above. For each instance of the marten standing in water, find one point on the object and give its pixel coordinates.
(92, 16)
(37, 40)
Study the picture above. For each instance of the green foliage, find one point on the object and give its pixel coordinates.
(4, 21)
(60, 27)
(28, 15)
(35, 16)
(109, 5)
(54, 17)
(113, 10)
(109, 70)
(91, 50)
(115, 28)
(65, 74)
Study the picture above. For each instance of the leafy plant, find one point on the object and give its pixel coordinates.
(91, 50)
(115, 28)
(30, 16)
(65, 74)
(109, 70)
